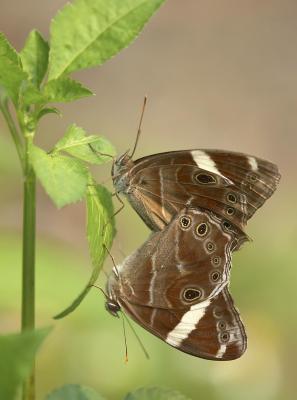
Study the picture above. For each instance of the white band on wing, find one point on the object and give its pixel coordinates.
(204, 161)
(187, 324)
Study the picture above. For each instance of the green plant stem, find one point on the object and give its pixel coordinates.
(13, 130)
(29, 211)
(28, 290)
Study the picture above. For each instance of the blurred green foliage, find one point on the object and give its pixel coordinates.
(17, 358)
(74, 392)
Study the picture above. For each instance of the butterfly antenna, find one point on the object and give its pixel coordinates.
(125, 340)
(100, 288)
(112, 259)
(137, 337)
(139, 126)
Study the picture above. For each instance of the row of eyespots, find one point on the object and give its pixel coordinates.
(224, 336)
(216, 260)
(201, 229)
(207, 179)
(190, 294)
(231, 198)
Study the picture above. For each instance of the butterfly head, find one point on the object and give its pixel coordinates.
(112, 307)
(111, 303)
(119, 169)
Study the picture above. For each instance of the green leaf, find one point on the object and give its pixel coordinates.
(6, 50)
(63, 178)
(11, 77)
(59, 90)
(17, 352)
(65, 89)
(74, 392)
(100, 232)
(100, 223)
(11, 73)
(34, 57)
(86, 33)
(76, 143)
(155, 393)
(30, 94)
(48, 110)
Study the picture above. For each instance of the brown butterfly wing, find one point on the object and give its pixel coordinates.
(177, 186)
(192, 253)
(254, 177)
(211, 329)
(233, 185)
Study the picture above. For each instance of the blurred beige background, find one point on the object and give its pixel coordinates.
(218, 74)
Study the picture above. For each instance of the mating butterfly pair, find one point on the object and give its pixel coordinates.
(197, 204)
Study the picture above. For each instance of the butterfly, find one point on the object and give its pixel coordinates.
(232, 185)
(197, 204)
(176, 286)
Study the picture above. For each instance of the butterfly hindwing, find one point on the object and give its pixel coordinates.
(211, 329)
(189, 261)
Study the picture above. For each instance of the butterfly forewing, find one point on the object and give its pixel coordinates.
(179, 186)
(233, 185)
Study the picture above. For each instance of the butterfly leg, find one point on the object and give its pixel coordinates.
(99, 153)
(122, 204)
(115, 213)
